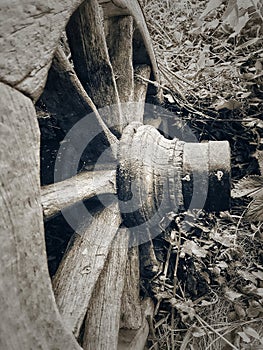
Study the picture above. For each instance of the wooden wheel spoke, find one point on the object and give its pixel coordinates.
(103, 316)
(82, 265)
(119, 34)
(64, 63)
(83, 186)
(114, 9)
(87, 43)
(132, 7)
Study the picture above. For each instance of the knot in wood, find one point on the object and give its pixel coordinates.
(156, 175)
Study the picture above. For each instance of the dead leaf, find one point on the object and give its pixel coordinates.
(185, 308)
(247, 276)
(230, 6)
(170, 98)
(213, 24)
(232, 295)
(241, 313)
(247, 43)
(255, 309)
(197, 332)
(230, 104)
(255, 210)
(251, 289)
(212, 5)
(225, 239)
(248, 186)
(232, 18)
(201, 63)
(191, 248)
(258, 66)
(222, 264)
(242, 21)
(244, 337)
(251, 332)
(258, 274)
(245, 4)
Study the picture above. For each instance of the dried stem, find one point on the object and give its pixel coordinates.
(203, 322)
(175, 286)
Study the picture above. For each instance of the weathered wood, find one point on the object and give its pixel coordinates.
(133, 8)
(149, 176)
(33, 30)
(103, 316)
(79, 271)
(206, 175)
(119, 33)
(24, 26)
(89, 52)
(29, 33)
(83, 186)
(149, 265)
(157, 175)
(130, 339)
(113, 9)
(29, 316)
(119, 42)
(131, 313)
(140, 91)
(141, 86)
(65, 65)
(61, 98)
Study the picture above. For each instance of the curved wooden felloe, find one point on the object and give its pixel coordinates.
(30, 32)
(30, 319)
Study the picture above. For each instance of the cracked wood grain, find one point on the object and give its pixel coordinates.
(29, 35)
(103, 316)
(89, 51)
(83, 186)
(82, 265)
(29, 315)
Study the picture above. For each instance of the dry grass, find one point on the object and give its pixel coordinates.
(208, 55)
(211, 60)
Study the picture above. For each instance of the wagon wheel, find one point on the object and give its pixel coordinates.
(106, 63)
(92, 287)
